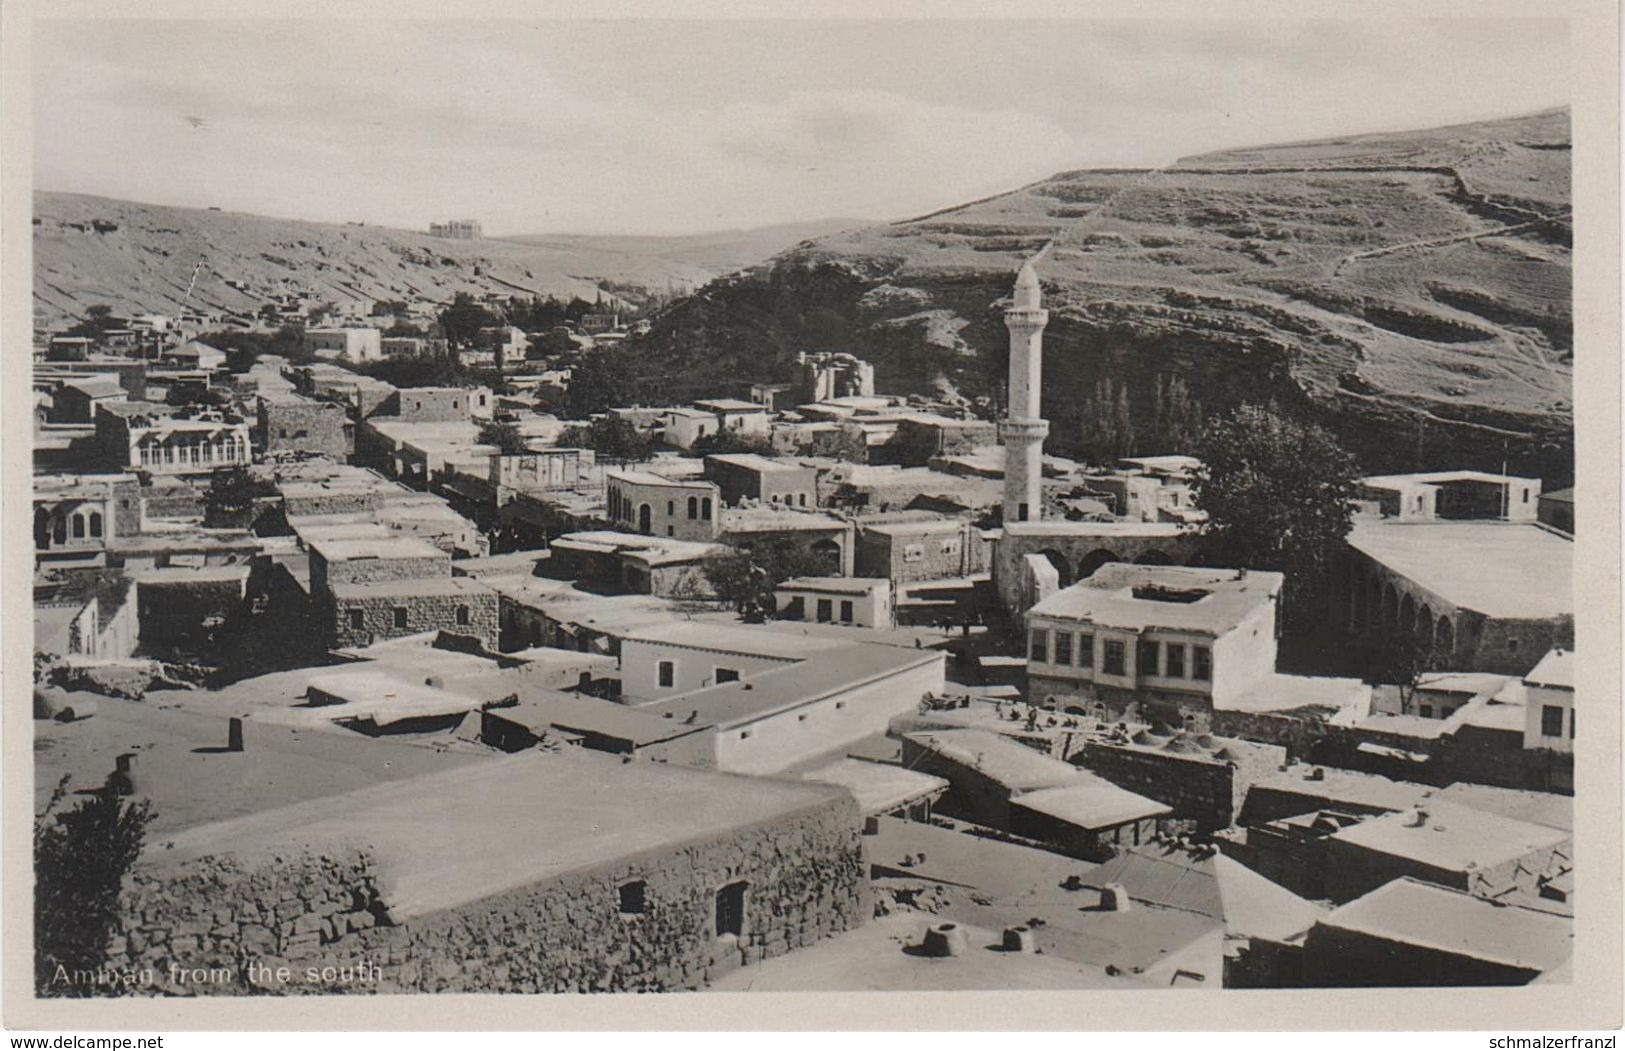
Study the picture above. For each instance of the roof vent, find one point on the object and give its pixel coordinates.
(1418, 818)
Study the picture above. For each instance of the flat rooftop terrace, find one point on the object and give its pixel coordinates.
(450, 838)
(1500, 569)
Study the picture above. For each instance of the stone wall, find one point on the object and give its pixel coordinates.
(1199, 788)
(435, 611)
(305, 426)
(804, 873)
(324, 575)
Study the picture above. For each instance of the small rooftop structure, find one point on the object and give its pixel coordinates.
(1134, 597)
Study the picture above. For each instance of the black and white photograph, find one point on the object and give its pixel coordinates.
(556, 506)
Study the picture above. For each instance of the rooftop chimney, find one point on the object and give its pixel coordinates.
(1113, 898)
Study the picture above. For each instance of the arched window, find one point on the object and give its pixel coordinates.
(78, 526)
(59, 529)
(643, 518)
(96, 524)
(693, 507)
(705, 509)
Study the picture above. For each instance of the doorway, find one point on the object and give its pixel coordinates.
(731, 910)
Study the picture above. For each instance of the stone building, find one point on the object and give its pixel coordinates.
(375, 588)
(1556, 509)
(776, 698)
(927, 548)
(824, 538)
(290, 422)
(654, 505)
(1179, 645)
(825, 376)
(1549, 703)
(1451, 495)
(748, 476)
(1411, 933)
(155, 439)
(354, 345)
(76, 517)
(1075, 550)
(75, 400)
(1477, 596)
(426, 880)
(443, 404)
(1201, 777)
(860, 601)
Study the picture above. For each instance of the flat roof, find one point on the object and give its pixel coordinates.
(1410, 912)
(1277, 692)
(834, 585)
(1499, 569)
(411, 588)
(1093, 804)
(449, 839)
(1335, 785)
(650, 478)
(582, 715)
(191, 779)
(1257, 907)
(1390, 481)
(805, 682)
(756, 462)
(393, 546)
(1108, 599)
(1055, 527)
(1454, 838)
(1555, 670)
(773, 520)
(878, 787)
(1537, 808)
(735, 638)
(1010, 764)
(730, 405)
(913, 527)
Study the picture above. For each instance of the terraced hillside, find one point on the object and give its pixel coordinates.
(137, 257)
(1411, 290)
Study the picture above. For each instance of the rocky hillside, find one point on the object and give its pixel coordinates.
(136, 257)
(1413, 291)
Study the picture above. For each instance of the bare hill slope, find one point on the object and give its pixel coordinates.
(1412, 290)
(135, 256)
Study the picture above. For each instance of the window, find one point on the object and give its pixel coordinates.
(671, 530)
(693, 507)
(1526, 496)
(1175, 659)
(357, 619)
(671, 508)
(1021, 513)
(846, 611)
(727, 675)
(950, 547)
(825, 611)
(1063, 647)
(1204, 663)
(913, 552)
(731, 910)
(400, 616)
(1427, 711)
(1571, 724)
(634, 897)
(462, 616)
(1150, 657)
(705, 509)
(78, 526)
(666, 673)
(1086, 651)
(1551, 721)
(802, 499)
(1112, 664)
(1038, 645)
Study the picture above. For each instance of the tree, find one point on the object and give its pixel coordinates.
(388, 307)
(504, 435)
(1278, 496)
(81, 858)
(97, 321)
(601, 381)
(462, 321)
(732, 441)
(745, 578)
(612, 439)
(229, 500)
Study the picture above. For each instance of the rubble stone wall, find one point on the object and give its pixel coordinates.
(423, 613)
(306, 426)
(322, 921)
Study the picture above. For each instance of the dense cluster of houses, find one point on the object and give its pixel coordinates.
(991, 671)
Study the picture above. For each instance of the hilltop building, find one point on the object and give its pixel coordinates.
(457, 230)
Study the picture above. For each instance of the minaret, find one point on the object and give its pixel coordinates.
(1024, 429)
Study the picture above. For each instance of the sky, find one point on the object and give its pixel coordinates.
(667, 127)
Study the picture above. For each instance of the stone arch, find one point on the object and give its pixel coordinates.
(1390, 607)
(1153, 557)
(1424, 623)
(1444, 640)
(828, 551)
(1407, 616)
(1063, 570)
(1093, 561)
